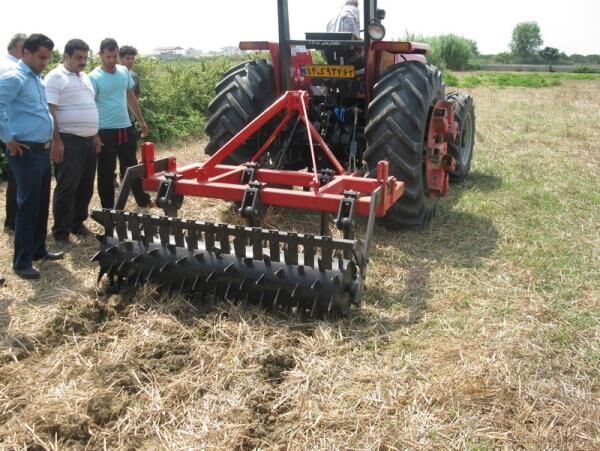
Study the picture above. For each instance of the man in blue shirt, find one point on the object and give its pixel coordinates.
(114, 93)
(15, 50)
(26, 127)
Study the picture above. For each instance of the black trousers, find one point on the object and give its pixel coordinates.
(11, 195)
(74, 184)
(122, 144)
(32, 172)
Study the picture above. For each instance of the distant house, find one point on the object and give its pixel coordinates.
(231, 50)
(193, 52)
(169, 51)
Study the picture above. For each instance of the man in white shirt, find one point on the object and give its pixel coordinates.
(15, 51)
(75, 143)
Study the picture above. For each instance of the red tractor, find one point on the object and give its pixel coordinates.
(368, 132)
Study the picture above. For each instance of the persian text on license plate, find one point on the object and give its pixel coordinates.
(322, 71)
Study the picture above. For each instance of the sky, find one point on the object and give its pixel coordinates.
(572, 26)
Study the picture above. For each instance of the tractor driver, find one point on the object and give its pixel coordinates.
(347, 19)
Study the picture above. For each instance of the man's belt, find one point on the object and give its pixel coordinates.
(36, 146)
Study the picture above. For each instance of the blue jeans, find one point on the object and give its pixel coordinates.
(32, 173)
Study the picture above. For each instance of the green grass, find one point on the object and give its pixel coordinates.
(512, 79)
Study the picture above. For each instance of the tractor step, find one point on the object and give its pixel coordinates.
(277, 270)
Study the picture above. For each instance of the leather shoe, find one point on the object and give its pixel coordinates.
(81, 230)
(49, 256)
(29, 273)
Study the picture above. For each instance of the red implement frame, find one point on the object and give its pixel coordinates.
(212, 179)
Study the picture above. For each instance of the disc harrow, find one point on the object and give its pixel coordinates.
(307, 274)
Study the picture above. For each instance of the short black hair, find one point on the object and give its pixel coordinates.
(19, 37)
(127, 50)
(108, 44)
(76, 44)
(37, 40)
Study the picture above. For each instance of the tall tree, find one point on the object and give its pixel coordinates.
(550, 55)
(526, 40)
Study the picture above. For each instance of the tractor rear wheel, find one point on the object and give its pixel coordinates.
(399, 116)
(462, 148)
(242, 94)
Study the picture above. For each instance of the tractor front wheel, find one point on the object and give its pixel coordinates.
(399, 116)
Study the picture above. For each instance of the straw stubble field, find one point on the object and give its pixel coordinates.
(479, 332)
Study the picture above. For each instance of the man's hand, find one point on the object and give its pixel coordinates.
(144, 131)
(16, 148)
(58, 150)
(98, 143)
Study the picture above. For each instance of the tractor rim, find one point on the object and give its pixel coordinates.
(466, 140)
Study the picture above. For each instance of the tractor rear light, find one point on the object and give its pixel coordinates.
(254, 45)
(376, 31)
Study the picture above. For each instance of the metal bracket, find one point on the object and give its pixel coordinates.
(325, 176)
(166, 197)
(250, 208)
(363, 257)
(345, 216)
(249, 174)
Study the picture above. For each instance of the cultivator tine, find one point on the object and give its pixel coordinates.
(276, 300)
(209, 237)
(226, 296)
(195, 284)
(96, 256)
(191, 237)
(293, 293)
(137, 279)
(309, 251)
(291, 251)
(164, 230)
(149, 229)
(274, 252)
(100, 275)
(121, 226)
(223, 233)
(239, 246)
(177, 232)
(134, 227)
(330, 306)
(326, 253)
(150, 273)
(256, 243)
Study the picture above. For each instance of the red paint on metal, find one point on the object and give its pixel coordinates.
(438, 162)
(212, 179)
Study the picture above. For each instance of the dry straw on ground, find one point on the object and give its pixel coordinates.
(480, 332)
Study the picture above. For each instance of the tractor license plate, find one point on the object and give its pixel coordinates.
(327, 71)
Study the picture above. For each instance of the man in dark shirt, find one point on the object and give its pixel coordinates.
(26, 127)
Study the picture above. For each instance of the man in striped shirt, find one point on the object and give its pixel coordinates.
(75, 143)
